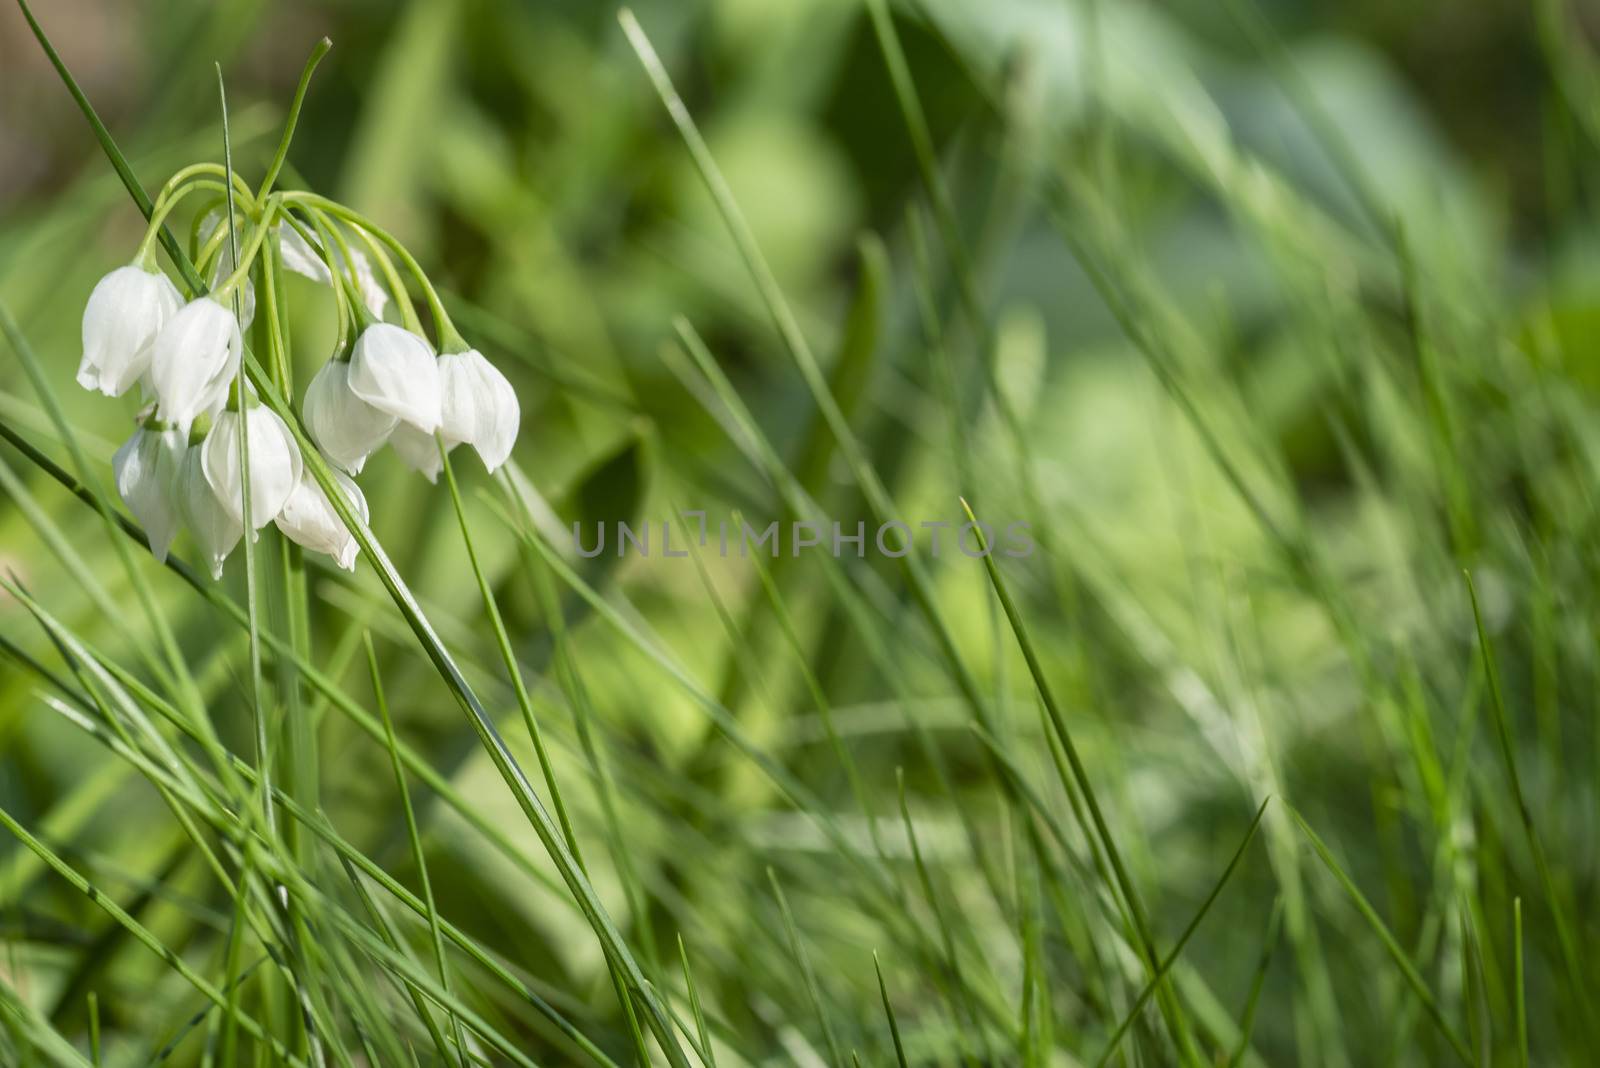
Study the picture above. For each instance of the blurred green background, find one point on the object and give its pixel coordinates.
(1411, 415)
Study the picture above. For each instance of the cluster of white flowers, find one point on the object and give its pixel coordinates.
(183, 464)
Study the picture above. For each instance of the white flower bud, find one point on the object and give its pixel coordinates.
(145, 468)
(126, 310)
(195, 357)
(275, 465)
(393, 370)
(478, 406)
(215, 530)
(308, 519)
(344, 426)
(418, 451)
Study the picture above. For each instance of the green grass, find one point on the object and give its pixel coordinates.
(1279, 749)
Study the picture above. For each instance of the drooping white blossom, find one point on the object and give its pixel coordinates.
(145, 468)
(194, 358)
(344, 426)
(216, 531)
(308, 519)
(418, 451)
(477, 406)
(393, 370)
(275, 464)
(126, 310)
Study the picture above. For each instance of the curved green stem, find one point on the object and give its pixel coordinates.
(319, 50)
(397, 288)
(340, 300)
(170, 199)
(450, 340)
(341, 270)
(215, 170)
(244, 260)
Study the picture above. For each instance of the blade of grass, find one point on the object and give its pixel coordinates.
(513, 671)
(1257, 984)
(808, 974)
(417, 856)
(1080, 775)
(952, 959)
(888, 1011)
(143, 935)
(1183, 939)
(1522, 995)
(1497, 705)
(1401, 960)
(709, 1055)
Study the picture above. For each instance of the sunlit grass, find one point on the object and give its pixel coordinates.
(1277, 750)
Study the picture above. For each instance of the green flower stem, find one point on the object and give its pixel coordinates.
(199, 170)
(450, 340)
(318, 50)
(276, 343)
(341, 301)
(341, 270)
(391, 277)
(242, 263)
(164, 208)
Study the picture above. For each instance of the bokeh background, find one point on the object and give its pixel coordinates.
(1411, 413)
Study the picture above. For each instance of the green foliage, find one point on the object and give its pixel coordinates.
(1265, 339)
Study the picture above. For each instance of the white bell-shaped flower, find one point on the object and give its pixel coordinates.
(344, 426)
(308, 519)
(477, 406)
(275, 464)
(145, 467)
(126, 310)
(215, 529)
(418, 451)
(393, 370)
(195, 357)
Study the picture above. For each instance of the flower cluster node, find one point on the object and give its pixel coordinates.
(207, 434)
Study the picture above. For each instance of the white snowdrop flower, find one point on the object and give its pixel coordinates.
(194, 358)
(308, 519)
(418, 451)
(215, 529)
(126, 310)
(275, 464)
(477, 406)
(344, 426)
(393, 370)
(302, 259)
(145, 468)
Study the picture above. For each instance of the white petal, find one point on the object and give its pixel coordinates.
(126, 310)
(308, 518)
(275, 464)
(194, 358)
(419, 451)
(145, 468)
(347, 428)
(393, 370)
(215, 530)
(300, 257)
(478, 406)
